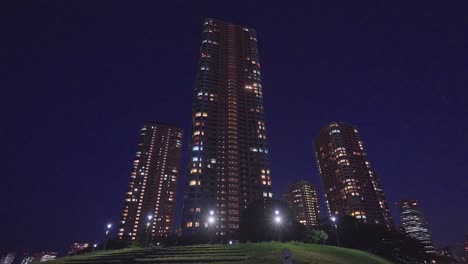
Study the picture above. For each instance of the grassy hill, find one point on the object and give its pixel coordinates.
(243, 253)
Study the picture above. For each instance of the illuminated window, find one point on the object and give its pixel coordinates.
(193, 182)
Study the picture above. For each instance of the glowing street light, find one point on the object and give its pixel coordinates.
(211, 227)
(334, 220)
(211, 220)
(94, 247)
(109, 226)
(150, 216)
(278, 219)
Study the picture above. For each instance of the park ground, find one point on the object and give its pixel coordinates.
(249, 253)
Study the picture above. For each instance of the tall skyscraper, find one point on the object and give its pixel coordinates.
(302, 198)
(350, 184)
(150, 200)
(415, 225)
(229, 166)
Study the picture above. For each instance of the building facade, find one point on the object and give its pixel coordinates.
(465, 245)
(8, 258)
(48, 256)
(150, 200)
(350, 184)
(302, 199)
(76, 247)
(229, 165)
(414, 224)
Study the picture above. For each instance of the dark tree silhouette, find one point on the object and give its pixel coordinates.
(258, 223)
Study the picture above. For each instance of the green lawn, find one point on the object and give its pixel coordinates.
(268, 252)
(307, 253)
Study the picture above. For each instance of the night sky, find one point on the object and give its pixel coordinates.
(79, 79)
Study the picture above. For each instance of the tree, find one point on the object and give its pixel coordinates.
(375, 238)
(315, 236)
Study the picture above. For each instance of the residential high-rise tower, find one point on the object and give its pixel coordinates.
(229, 166)
(350, 184)
(302, 198)
(150, 200)
(415, 225)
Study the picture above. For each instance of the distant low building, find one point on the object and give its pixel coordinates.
(76, 247)
(465, 245)
(446, 251)
(414, 224)
(8, 258)
(36, 257)
(47, 256)
(28, 259)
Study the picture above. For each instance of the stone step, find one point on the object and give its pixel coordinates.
(195, 255)
(181, 260)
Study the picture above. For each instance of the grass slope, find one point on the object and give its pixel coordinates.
(249, 253)
(307, 253)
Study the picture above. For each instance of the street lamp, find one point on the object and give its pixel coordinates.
(211, 220)
(211, 226)
(147, 229)
(277, 220)
(109, 226)
(335, 224)
(94, 247)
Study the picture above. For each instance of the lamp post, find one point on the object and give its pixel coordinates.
(147, 229)
(278, 223)
(109, 226)
(211, 224)
(335, 225)
(94, 246)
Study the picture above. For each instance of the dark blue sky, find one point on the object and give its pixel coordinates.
(79, 78)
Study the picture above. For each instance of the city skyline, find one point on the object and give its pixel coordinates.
(96, 80)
